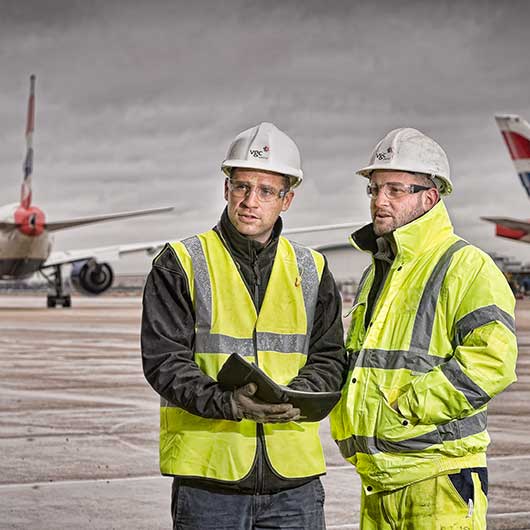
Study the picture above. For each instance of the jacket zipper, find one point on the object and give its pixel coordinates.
(260, 441)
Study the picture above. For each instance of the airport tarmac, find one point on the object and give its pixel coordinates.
(79, 426)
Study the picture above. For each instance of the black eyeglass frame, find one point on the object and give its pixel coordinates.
(411, 188)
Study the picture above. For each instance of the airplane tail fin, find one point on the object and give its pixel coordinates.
(25, 193)
(516, 133)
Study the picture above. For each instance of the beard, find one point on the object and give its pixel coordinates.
(395, 218)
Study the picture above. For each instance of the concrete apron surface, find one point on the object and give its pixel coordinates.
(79, 426)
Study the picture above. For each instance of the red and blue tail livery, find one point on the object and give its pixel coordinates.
(516, 133)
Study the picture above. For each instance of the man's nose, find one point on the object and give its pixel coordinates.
(251, 198)
(381, 198)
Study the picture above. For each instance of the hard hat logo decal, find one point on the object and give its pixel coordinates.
(262, 153)
(385, 155)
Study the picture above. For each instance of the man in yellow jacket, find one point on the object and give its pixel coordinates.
(238, 463)
(431, 341)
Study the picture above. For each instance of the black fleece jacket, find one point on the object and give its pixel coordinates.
(168, 336)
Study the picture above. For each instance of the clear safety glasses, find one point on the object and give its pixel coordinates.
(241, 189)
(394, 190)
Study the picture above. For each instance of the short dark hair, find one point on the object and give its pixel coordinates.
(288, 182)
(425, 180)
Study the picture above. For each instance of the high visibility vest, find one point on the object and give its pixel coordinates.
(440, 343)
(276, 339)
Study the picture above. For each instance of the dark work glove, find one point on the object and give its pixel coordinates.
(251, 408)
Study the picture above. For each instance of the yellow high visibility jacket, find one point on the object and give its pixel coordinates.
(277, 339)
(439, 345)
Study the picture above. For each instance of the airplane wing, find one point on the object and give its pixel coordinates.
(510, 228)
(115, 252)
(102, 254)
(321, 228)
(91, 273)
(70, 223)
(508, 222)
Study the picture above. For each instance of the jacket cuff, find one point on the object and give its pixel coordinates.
(237, 414)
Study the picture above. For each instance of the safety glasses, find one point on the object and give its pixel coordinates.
(241, 189)
(394, 190)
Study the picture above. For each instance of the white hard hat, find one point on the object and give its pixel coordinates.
(265, 147)
(412, 151)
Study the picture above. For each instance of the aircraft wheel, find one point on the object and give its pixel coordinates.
(67, 302)
(50, 302)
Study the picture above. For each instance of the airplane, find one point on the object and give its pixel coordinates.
(26, 241)
(516, 133)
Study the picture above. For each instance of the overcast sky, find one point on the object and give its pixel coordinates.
(137, 103)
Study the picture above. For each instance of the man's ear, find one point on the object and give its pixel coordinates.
(430, 198)
(287, 200)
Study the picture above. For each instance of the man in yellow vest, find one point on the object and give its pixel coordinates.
(241, 287)
(431, 341)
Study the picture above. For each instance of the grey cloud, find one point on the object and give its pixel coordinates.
(138, 101)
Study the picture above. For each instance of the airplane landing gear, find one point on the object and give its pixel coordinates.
(58, 293)
(53, 300)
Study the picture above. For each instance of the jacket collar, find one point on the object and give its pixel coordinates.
(240, 245)
(412, 239)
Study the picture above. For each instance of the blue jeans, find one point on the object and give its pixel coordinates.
(300, 508)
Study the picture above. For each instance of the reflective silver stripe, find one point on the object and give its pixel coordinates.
(282, 343)
(216, 343)
(452, 370)
(357, 444)
(309, 274)
(201, 284)
(398, 359)
(421, 333)
(402, 359)
(474, 394)
(480, 317)
(453, 430)
(206, 342)
(462, 428)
